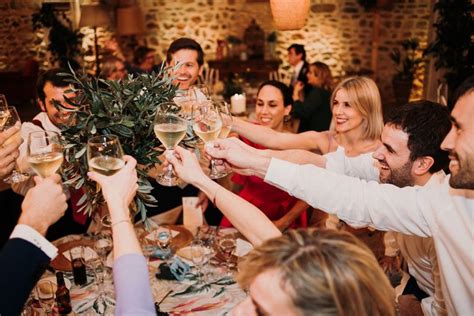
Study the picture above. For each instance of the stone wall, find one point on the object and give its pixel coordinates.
(338, 32)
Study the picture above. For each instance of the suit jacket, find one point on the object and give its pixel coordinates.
(314, 112)
(303, 78)
(21, 266)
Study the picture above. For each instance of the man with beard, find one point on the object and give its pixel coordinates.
(442, 210)
(190, 55)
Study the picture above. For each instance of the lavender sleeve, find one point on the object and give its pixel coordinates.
(132, 286)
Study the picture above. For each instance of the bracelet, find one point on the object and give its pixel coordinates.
(121, 221)
(215, 195)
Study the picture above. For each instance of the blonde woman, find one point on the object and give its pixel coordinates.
(357, 112)
(314, 112)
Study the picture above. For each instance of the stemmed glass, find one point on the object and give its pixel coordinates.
(45, 152)
(227, 246)
(226, 116)
(8, 118)
(186, 99)
(207, 124)
(163, 238)
(105, 156)
(198, 256)
(170, 128)
(45, 293)
(202, 92)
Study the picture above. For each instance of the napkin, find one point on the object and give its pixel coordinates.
(192, 215)
(242, 247)
(89, 254)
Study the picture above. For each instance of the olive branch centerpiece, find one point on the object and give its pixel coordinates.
(125, 108)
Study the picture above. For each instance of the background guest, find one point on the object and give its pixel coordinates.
(314, 112)
(144, 61)
(297, 61)
(113, 68)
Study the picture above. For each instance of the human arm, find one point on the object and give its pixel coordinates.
(357, 202)
(278, 140)
(26, 254)
(286, 220)
(248, 219)
(133, 295)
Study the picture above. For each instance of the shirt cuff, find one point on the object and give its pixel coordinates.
(27, 233)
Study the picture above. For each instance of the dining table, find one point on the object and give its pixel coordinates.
(213, 291)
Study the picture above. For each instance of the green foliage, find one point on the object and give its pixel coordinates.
(406, 60)
(125, 108)
(452, 48)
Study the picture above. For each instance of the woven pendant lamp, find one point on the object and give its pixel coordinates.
(289, 14)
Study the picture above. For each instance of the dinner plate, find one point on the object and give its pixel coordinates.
(61, 262)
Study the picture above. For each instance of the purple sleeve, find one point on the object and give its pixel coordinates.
(132, 286)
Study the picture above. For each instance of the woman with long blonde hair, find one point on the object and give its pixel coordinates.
(357, 113)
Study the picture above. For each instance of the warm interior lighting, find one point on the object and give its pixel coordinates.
(289, 14)
(129, 21)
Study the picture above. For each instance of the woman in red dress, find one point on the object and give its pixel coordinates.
(274, 104)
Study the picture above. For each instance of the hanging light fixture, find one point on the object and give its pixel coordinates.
(289, 14)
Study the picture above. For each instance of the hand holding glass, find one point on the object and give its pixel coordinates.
(45, 152)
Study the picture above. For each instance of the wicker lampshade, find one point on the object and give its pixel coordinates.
(289, 14)
(130, 21)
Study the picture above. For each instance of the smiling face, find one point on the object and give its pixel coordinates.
(345, 116)
(270, 109)
(460, 143)
(393, 158)
(266, 297)
(189, 71)
(57, 94)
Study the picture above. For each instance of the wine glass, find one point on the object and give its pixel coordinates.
(202, 91)
(45, 152)
(4, 113)
(227, 246)
(198, 256)
(207, 124)
(226, 116)
(186, 99)
(9, 118)
(105, 156)
(45, 293)
(170, 128)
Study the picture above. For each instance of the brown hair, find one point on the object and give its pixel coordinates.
(324, 272)
(324, 73)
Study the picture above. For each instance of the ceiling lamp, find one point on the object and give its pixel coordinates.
(289, 14)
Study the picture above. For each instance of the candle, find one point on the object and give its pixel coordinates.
(238, 103)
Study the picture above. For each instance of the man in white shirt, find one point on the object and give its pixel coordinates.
(297, 60)
(442, 210)
(51, 88)
(26, 254)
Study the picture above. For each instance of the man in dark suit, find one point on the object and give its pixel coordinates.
(297, 60)
(27, 253)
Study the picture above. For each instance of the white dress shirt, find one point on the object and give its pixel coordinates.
(437, 211)
(27, 233)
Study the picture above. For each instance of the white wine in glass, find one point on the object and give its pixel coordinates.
(8, 118)
(170, 128)
(45, 152)
(207, 125)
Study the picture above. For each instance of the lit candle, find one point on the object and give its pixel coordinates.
(238, 103)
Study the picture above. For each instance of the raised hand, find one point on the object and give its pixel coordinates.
(186, 165)
(120, 188)
(44, 204)
(9, 150)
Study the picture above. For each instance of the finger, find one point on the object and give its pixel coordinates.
(56, 178)
(216, 152)
(130, 162)
(96, 176)
(9, 132)
(38, 180)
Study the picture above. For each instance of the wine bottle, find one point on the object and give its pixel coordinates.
(63, 299)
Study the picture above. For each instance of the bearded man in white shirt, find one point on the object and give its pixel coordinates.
(443, 210)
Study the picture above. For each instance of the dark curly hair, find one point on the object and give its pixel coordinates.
(427, 124)
(52, 76)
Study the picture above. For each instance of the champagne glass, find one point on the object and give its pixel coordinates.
(45, 292)
(163, 238)
(226, 116)
(170, 128)
(45, 152)
(227, 246)
(186, 99)
(8, 118)
(207, 124)
(105, 156)
(202, 92)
